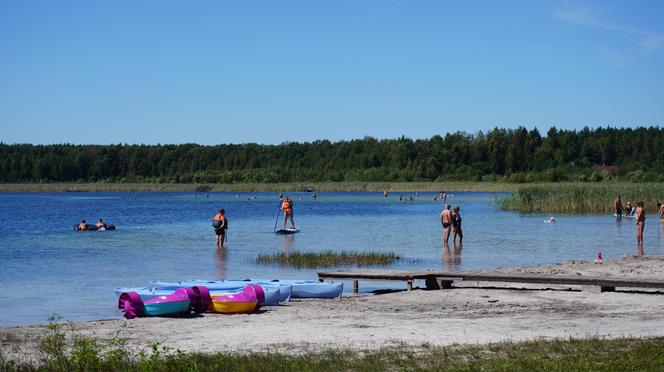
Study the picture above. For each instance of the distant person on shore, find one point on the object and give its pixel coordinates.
(220, 224)
(660, 210)
(618, 206)
(101, 224)
(82, 225)
(385, 194)
(446, 220)
(640, 221)
(456, 225)
(287, 206)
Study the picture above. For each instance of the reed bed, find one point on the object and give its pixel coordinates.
(328, 258)
(260, 187)
(582, 197)
(63, 351)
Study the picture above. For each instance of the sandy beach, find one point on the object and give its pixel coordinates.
(471, 313)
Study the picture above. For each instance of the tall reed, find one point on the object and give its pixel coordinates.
(328, 258)
(582, 197)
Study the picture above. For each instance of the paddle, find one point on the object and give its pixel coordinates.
(277, 219)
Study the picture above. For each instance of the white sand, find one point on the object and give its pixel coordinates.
(476, 313)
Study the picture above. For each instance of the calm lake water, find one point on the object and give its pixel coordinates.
(48, 268)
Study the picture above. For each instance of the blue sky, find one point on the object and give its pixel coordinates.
(209, 72)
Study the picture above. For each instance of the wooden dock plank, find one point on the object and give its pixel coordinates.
(444, 280)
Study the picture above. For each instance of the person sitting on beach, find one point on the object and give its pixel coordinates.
(446, 220)
(287, 206)
(220, 224)
(100, 224)
(618, 206)
(456, 225)
(82, 225)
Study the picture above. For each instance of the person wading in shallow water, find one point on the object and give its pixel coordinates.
(618, 206)
(456, 225)
(640, 221)
(446, 220)
(220, 224)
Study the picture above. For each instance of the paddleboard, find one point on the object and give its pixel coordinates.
(287, 231)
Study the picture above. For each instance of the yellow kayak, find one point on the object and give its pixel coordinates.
(226, 304)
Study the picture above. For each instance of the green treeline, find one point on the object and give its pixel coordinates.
(513, 155)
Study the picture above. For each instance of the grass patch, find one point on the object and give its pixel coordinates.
(582, 197)
(328, 258)
(72, 352)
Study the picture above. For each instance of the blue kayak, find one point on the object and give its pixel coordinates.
(272, 294)
(297, 288)
(231, 285)
(307, 288)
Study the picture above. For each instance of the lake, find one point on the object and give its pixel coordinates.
(47, 268)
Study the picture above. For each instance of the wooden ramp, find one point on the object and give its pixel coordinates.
(445, 280)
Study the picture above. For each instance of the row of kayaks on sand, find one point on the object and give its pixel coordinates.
(219, 296)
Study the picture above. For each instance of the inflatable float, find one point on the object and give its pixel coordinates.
(93, 227)
(287, 231)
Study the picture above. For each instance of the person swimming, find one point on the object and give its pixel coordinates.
(82, 225)
(100, 224)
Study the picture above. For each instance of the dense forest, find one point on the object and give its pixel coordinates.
(513, 155)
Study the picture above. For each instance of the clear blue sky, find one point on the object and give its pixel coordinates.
(100, 72)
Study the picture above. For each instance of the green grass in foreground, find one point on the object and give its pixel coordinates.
(86, 354)
(582, 197)
(327, 259)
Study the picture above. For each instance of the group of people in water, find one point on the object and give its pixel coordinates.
(451, 220)
(638, 213)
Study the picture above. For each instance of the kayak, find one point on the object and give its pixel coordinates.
(274, 292)
(306, 288)
(243, 302)
(177, 302)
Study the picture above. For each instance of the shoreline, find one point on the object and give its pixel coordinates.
(471, 313)
(262, 187)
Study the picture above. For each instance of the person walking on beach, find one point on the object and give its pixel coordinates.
(446, 220)
(456, 226)
(287, 207)
(640, 221)
(618, 206)
(220, 224)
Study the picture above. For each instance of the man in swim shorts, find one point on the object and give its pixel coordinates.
(446, 220)
(618, 206)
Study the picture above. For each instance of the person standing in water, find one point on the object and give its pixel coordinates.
(287, 207)
(640, 221)
(618, 206)
(446, 220)
(220, 224)
(456, 225)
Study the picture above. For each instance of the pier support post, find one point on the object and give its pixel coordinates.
(356, 286)
(597, 289)
(410, 285)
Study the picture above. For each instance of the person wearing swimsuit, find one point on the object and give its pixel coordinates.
(287, 206)
(618, 206)
(220, 225)
(446, 220)
(640, 221)
(456, 225)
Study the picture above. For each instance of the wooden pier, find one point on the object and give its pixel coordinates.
(445, 280)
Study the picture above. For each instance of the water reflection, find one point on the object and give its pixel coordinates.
(452, 258)
(289, 240)
(220, 262)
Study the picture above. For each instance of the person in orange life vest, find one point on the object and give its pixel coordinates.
(287, 206)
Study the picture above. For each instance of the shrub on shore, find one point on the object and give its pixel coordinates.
(328, 258)
(582, 198)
